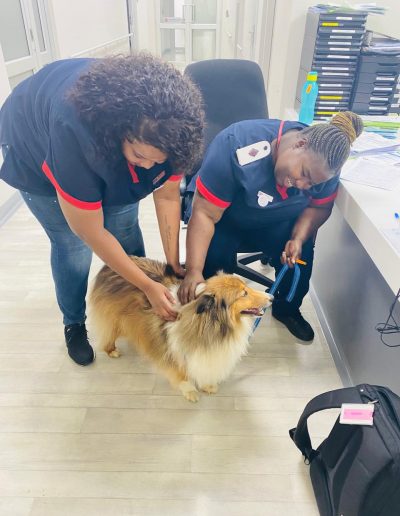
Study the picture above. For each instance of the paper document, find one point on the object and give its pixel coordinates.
(372, 143)
(370, 7)
(387, 158)
(369, 171)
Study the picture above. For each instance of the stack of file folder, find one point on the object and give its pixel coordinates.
(376, 86)
(395, 104)
(331, 46)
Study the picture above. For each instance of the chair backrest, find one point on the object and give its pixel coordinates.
(232, 90)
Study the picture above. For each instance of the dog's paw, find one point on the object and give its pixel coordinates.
(114, 353)
(192, 396)
(210, 389)
(189, 391)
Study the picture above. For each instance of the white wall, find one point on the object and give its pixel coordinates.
(388, 24)
(4, 84)
(79, 25)
(287, 41)
(146, 26)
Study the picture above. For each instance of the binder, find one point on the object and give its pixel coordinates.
(331, 46)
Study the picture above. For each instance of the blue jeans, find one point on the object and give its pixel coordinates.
(71, 257)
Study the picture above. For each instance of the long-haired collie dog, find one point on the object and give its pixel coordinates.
(196, 351)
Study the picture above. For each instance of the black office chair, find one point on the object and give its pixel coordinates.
(232, 90)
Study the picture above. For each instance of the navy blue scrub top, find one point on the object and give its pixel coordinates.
(245, 191)
(49, 149)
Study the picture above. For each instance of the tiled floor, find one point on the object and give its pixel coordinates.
(114, 439)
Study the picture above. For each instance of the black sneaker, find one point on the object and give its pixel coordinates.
(296, 324)
(78, 345)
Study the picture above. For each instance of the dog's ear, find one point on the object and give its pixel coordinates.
(199, 289)
(205, 303)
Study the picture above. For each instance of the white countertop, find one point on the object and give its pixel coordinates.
(368, 211)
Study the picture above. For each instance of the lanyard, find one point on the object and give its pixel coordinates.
(279, 278)
(277, 281)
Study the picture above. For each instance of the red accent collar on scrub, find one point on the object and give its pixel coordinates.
(280, 133)
(282, 190)
(133, 173)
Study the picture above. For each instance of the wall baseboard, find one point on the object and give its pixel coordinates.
(340, 362)
(8, 208)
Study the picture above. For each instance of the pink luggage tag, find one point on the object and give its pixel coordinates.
(357, 414)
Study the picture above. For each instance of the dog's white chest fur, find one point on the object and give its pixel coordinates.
(210, 366)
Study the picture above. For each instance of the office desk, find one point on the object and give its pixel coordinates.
(355, 278)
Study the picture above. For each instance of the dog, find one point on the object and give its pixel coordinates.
(196, 351)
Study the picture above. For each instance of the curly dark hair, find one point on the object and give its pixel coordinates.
(140, 97)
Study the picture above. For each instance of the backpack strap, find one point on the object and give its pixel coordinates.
(327, 400)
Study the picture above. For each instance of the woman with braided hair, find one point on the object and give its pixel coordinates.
(84, 141)
(267, 185)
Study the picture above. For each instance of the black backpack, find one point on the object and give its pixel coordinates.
(356, 469)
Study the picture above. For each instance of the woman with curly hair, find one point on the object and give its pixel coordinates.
(84, 140)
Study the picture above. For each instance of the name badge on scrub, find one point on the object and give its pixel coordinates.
(264, 199)
(253, 152)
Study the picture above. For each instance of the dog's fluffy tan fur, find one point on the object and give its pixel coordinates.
(200, 348)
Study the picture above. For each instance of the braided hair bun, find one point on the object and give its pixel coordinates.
(333, 140)
(348, 122)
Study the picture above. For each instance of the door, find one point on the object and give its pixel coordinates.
(188, 30)
(246, 25)
(193, 30)
(242, 23)
(24, 37)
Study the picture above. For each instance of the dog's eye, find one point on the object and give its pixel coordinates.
(245, 293)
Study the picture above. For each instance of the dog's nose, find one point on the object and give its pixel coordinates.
(270, 297)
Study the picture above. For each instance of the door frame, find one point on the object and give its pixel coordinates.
(264, 36)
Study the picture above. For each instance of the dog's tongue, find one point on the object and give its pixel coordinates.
(253, 311)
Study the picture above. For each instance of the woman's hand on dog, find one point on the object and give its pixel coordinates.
(161, 300)
(187, 290)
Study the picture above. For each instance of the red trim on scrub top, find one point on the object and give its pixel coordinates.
(210, 196)
(83, 205)
(280, 133)
(175, 177)
(282, 191)
(325, 200)
(132, 170)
